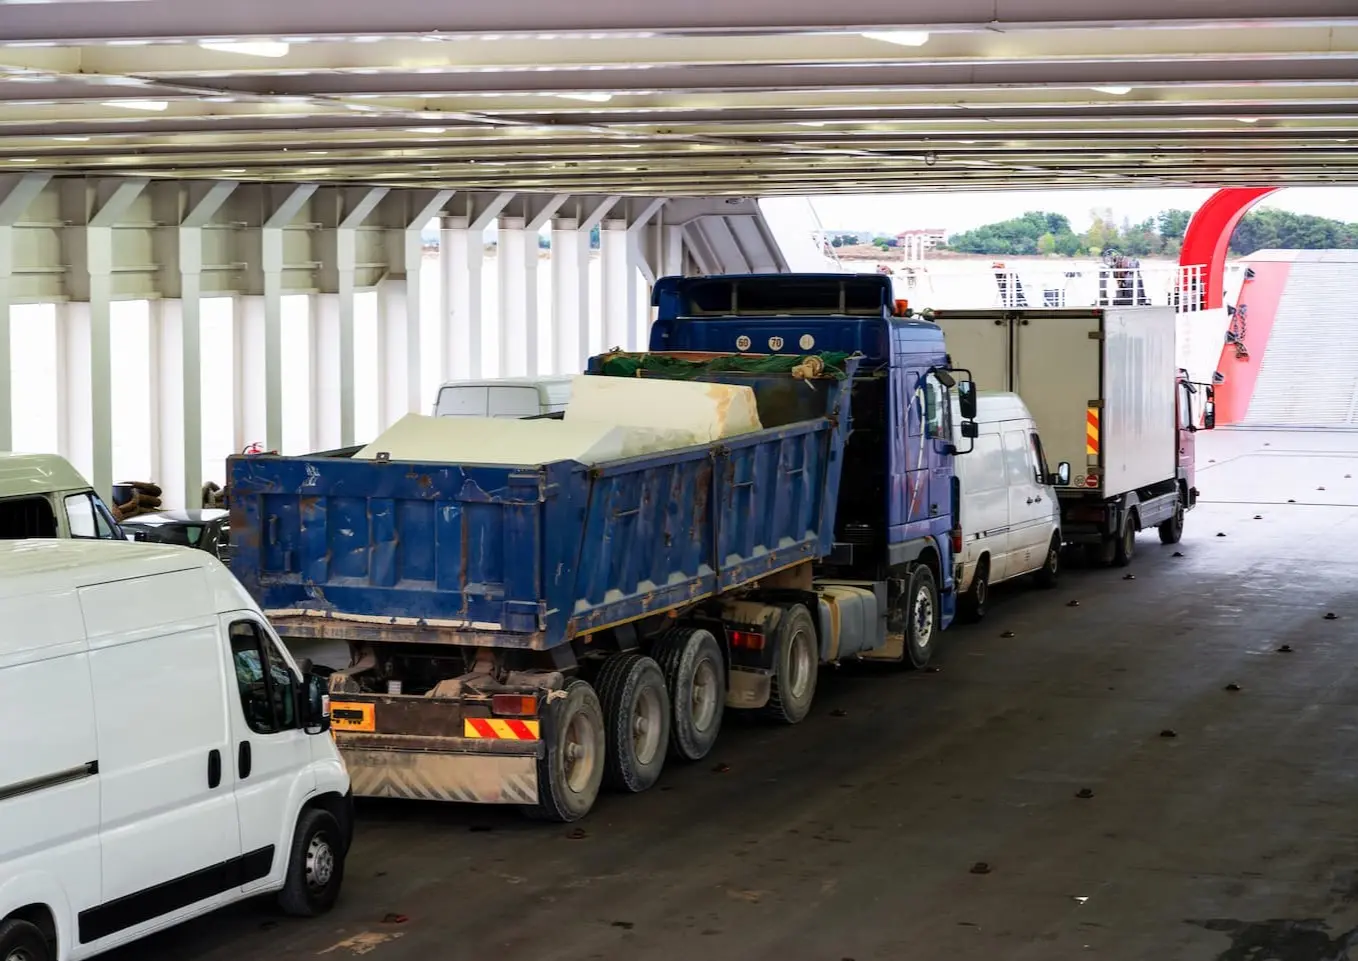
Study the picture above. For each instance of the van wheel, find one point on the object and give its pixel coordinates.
(572, 766)
(1050, 570)
(1173, 529)
(1125, 549)
(316, 867)
(695, 675)
(971, 607)
(923, 618)
(797, 667)
(21, 941)
(636, 721)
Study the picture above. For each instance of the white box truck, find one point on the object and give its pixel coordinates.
(1106, 393)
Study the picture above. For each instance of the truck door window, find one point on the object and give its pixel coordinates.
(268, 687)
(937, 410)
(1040, 472)
(85, 518)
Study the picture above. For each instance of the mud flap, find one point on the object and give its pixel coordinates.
(428, 776)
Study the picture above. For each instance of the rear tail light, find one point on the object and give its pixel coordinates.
(514, 705)
(748, 640)
(957, 540)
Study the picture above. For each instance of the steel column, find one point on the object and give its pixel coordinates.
(16, 196)
(618, 285)
(517, 356)
(568, 278)
(461, 300)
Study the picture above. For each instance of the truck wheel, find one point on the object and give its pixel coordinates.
(796, 669)
(1173, 529)
(922, 618)
(572, 768)
(1125, 548)
(695, 675)
(315, 867)
(636, 721)
(21, 941)
(1050, 570)
(972, 605)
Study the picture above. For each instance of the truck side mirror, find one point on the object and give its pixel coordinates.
(315, 705)
(1062, 476)
(1209, 409)
(966, 401)
(971, 430)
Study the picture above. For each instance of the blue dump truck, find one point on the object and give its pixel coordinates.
(527, 634)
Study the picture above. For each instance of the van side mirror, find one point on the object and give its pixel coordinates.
(315, 705)
(966, 401)
(1062, 476)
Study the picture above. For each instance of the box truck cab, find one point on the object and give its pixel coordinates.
(503, 397)
(1007, 517)
(160, 753)
(42, 495)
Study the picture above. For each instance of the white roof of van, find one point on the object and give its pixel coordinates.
(510, 381)
(60, 566)
(22, 474)
(997, 405)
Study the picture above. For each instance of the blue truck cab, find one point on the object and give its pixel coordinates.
(526, 634)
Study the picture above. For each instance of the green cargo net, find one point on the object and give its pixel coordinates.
(826, 364)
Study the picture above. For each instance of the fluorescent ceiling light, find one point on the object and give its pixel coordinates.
(72, 139)
(587, 97)
(23, 160)
(902, 38)
(233, 170)
(1247, 119)
(250, 48)
(1115, 91)
(434, 130)
(153, 105)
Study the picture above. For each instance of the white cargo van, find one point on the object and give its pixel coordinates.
(160, 753)
(42, 495)
(1008, 520)
(504, 397)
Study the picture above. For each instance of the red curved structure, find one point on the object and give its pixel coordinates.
(1209, 236)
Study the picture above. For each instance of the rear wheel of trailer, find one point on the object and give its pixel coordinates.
(571, 768)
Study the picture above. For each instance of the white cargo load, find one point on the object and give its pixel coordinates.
(703, 412)
(608, 418)
(1099, 382)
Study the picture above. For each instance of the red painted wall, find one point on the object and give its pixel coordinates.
(1259, 296)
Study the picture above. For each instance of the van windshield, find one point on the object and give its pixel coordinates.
(25, 517)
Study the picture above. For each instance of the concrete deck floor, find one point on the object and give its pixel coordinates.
(853, 836)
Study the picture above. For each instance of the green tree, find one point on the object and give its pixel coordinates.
(1046, 244)
(1173, 224)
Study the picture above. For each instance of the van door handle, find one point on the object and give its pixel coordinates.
(244, 759)
(214, 769)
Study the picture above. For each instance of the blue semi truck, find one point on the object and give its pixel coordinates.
(528, 634)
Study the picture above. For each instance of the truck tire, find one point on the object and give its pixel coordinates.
(1050, 572)
(1172, 530)
(315, 865)
(1124, 549)
(796, 667)
(923, 618)
(971, 606)
(636, 721)
(22, 941)
(695, 675)
(572, 766)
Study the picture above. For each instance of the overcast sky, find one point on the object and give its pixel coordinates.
(962, 211)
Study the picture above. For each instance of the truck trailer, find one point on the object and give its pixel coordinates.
(1108, 397)
(525, 634)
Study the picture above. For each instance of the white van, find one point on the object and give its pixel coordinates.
(42, 495)
(160, 754)
(1006, 508)
(504, 397)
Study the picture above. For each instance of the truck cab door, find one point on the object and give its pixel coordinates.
(1187, 433)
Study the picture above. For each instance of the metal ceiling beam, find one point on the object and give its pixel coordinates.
(191, 19)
